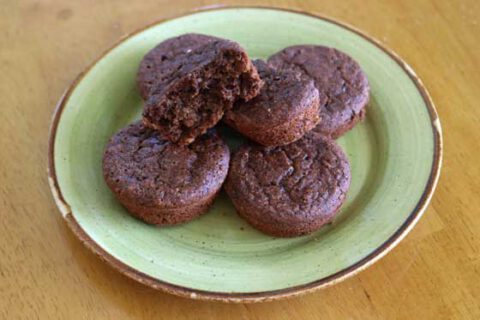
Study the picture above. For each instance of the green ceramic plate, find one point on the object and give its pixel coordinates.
(395, 158)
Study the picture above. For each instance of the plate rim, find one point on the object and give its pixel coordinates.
(259, 296)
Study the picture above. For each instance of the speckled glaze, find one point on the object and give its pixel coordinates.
(395, 157)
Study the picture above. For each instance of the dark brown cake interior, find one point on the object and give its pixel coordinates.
(197, 88)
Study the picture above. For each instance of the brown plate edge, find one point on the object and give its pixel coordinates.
(264, 295)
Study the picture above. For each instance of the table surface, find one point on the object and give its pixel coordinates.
(46, 273)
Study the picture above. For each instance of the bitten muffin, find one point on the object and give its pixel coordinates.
(290, 190)
(286, 108)
(162, 183)
(153, 64)
(338, 77)
(194, 90)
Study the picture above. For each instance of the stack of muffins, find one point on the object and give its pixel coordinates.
(289, 179)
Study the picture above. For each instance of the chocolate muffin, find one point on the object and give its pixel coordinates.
(154, 62)
(193, 91)
(338, 77)
(290, 190)
(286, 108)
(162, 183)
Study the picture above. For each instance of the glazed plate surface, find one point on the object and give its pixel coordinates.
(395, 158)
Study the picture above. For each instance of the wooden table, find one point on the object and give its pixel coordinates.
(46, 273)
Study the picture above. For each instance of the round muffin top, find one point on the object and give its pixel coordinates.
(301, 182)
(140, 166)
(154, 61)
(184, 66)
(337, 76)
(284, 95)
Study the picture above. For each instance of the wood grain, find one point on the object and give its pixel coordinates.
(46, 273)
